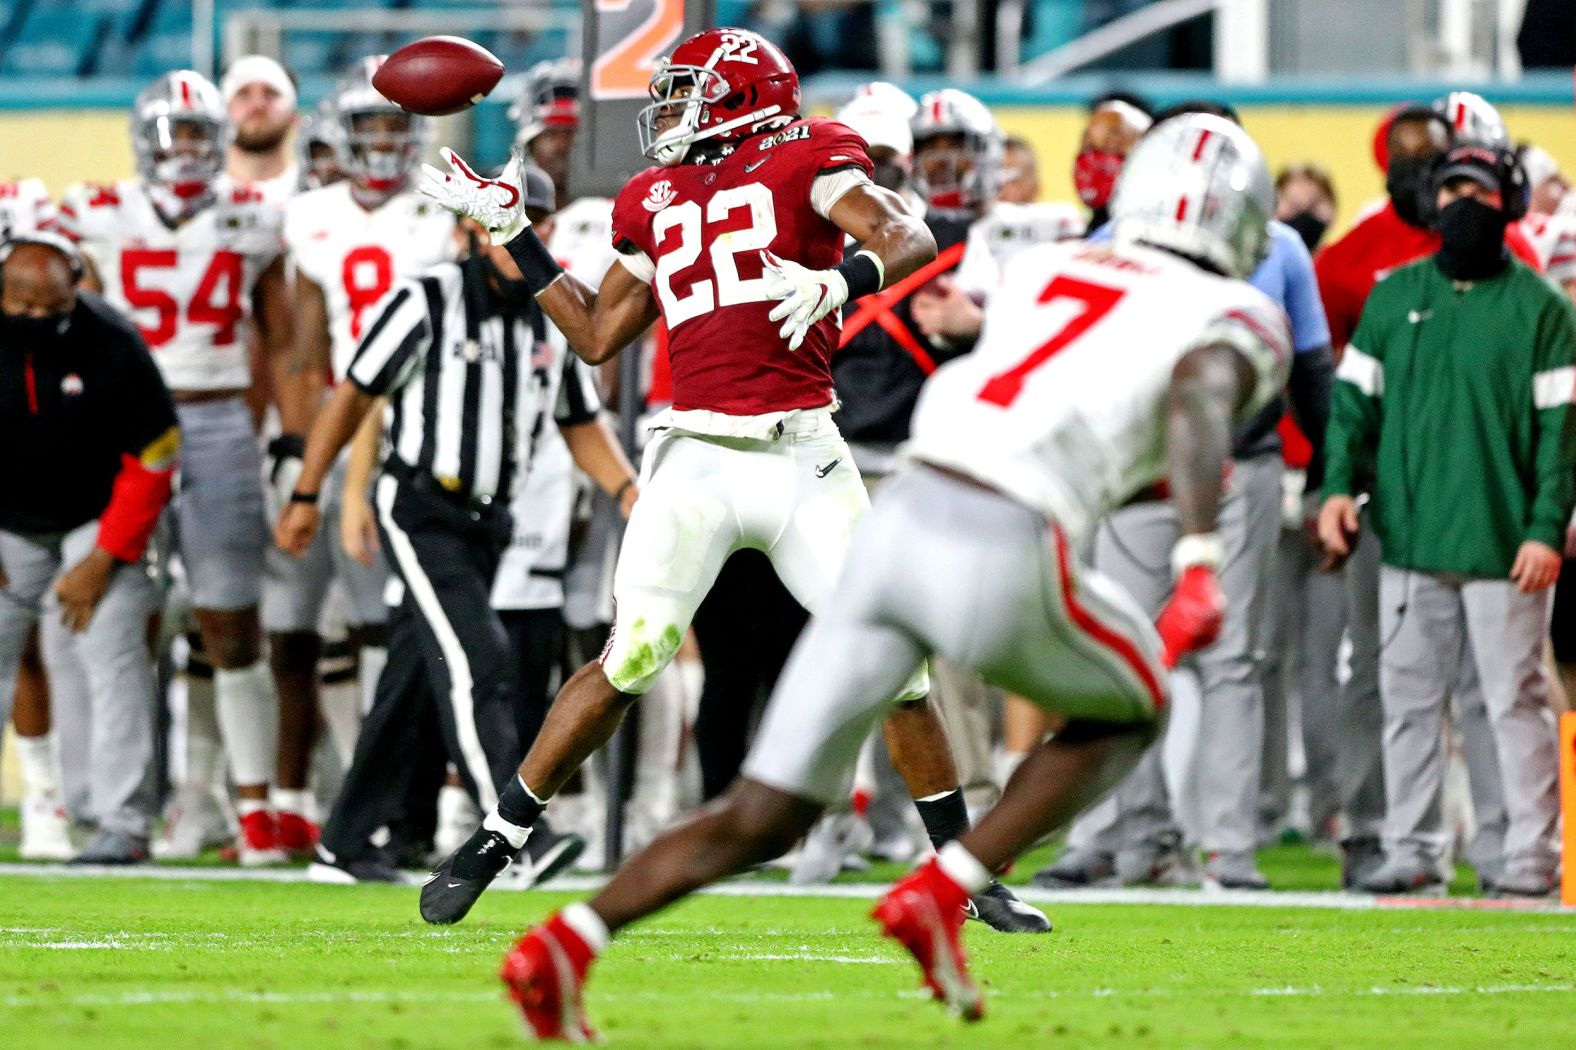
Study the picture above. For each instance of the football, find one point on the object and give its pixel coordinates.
(438, 75)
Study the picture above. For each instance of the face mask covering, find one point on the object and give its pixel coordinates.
(1309, 227)
(889, 175)
(35, 333)
(1094, 173)
(1472, 237)
(1404, 182)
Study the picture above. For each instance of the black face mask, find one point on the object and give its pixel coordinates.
(1405, 181)
(889, 176)
(1472, 237)
(35, 333)
(1309, 227)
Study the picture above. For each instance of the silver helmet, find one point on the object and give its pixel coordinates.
(382, 143)
(1472, 119)
(320, 147)
(180, 130)
(549, 98)
(965, 176)
(1198, 185)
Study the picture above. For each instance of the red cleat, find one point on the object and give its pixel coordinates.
(545, 973)
(297, 835)
(924, 913)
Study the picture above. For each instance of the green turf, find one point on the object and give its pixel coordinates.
(139, 963)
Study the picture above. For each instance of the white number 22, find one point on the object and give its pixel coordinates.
(730, 289)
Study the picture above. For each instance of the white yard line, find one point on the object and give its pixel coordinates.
(856, 890)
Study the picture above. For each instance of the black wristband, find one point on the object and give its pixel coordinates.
(287, 446)
(536, 263)
(862, 275)
(309, 498)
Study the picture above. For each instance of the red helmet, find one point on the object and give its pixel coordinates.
(723, 84)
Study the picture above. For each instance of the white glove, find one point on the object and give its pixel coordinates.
(806, 295)
(498, 204)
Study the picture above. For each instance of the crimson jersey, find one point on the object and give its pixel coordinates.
(695, 233)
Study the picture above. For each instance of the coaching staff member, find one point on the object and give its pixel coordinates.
(1454, 398)
(459, 353)
(90, 442)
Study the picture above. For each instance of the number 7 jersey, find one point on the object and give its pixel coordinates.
(187, 289)
(695, 233)
(1063, 404)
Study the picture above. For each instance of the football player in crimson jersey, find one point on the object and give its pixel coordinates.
(1021, 448)
(349, 242)
(186, 252)
(736, 242)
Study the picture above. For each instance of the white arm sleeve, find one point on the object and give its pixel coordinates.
(828, 189)
(639, 264)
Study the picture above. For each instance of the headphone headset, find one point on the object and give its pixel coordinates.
(48, 239)
(1514, 192)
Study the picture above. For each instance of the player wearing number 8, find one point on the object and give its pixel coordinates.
(184, 251)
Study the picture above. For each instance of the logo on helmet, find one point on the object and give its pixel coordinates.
(659, 196)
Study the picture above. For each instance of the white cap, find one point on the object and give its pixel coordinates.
(257, 69)
(1539, 166)
(880, 113)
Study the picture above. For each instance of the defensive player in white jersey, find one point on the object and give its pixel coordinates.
(25, 207)
(348, 242)
(1101, 368)
(186, 252)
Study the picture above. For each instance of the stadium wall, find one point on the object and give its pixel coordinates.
(65, 145)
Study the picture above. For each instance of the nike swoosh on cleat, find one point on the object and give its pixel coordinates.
(970, 910)
(454, 885)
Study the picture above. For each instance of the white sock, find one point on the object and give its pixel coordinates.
(959, 865)
(204, 754)
(40, 771)
(293, 800)
(589, 925)
(245, 807)
(340, 703)
(513, 832)
(248, 722)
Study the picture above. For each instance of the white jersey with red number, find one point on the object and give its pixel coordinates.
(1004, 231)
(25, 206)
(1062, 404)
(1554, 238)
(582, 240)
(187, 289)
(355, 255)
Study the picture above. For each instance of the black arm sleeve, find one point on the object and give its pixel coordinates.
(1312, 375)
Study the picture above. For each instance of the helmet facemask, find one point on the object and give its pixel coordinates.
(672, 122)
(955, 170)
(181, 155)
(382, 147)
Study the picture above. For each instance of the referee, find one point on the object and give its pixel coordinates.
(458, 352)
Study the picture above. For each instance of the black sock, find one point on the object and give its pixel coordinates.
(516, 805)
(945, 816)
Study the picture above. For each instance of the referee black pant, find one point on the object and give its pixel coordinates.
(450, 666)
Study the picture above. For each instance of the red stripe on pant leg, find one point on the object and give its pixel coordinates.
(1112, 639)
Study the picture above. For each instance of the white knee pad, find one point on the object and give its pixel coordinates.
(249, 722)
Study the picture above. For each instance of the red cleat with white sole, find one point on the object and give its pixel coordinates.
(924, 913)
(545, 973)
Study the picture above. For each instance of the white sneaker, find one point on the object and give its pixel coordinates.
(45, 829)
(195, 822)
(458, 817)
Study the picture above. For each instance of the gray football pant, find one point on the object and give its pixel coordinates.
(1133, 548)
(1013, 605)
(1305, 616)
(112, 652)
(1423, 616)
(1360, 717)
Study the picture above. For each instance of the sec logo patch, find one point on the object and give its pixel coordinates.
(659, 196)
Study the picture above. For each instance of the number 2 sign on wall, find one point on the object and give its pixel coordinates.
(632, 36)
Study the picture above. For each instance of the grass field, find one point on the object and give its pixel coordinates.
(108, 963)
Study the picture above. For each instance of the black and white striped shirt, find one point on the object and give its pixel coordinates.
(467, 380)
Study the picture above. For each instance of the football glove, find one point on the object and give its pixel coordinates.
(805, 296)
(1193, 616)
(498, 204)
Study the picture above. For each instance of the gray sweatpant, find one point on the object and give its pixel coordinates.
(1133, 548)
(942, 567)
(112, 652)
(1423, 616)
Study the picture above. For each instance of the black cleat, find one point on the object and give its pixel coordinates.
(547, 853)
(448, 894)
(1000, 909)
(370, 867)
